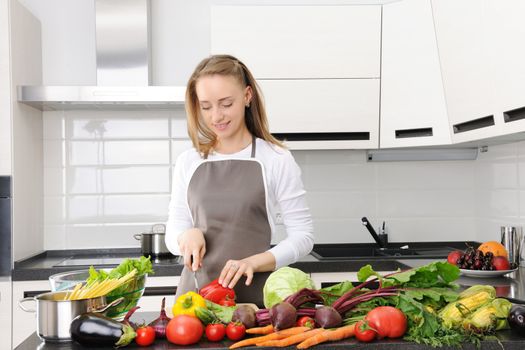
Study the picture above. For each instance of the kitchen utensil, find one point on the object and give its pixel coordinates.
(485, 274)
(511, 238)
(132, 291)
(153, 243)
(54, 314)
(197, 289)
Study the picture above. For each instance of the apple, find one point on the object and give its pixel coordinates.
(454, 256)
(500, 263)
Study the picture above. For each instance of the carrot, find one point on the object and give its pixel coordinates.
(328, 335)
(293, 339)
(260, 330)
(272, 336)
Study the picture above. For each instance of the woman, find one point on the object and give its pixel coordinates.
(227, 189)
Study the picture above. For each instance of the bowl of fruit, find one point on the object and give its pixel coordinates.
(490, 259)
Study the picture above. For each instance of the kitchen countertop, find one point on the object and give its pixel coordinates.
(505, 340)
(43, 265)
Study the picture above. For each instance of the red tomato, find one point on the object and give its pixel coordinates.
(305, 321)
(145, 336)
(454, 256)
(387, 321)
(500, 263)
(235, 331)
(215, 331)
(184, 330)
(363, 332)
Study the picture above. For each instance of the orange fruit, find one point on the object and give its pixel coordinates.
(495, 248)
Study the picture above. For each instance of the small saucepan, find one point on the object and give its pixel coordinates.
(54, 314)
(153, 243)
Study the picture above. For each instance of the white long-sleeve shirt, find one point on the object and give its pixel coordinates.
(284, 190)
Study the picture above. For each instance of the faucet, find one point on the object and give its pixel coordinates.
(382, 239)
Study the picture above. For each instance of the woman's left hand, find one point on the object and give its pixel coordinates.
(233, 270)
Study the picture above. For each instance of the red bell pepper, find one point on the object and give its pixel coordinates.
(216, 293)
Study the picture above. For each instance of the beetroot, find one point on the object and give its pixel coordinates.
(283, 315)
(327, 317)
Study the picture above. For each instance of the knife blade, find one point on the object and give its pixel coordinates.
(196, 282)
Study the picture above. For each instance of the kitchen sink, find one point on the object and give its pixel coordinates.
(399, 250)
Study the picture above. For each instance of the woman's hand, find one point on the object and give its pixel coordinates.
(193, 247)
(233, 270)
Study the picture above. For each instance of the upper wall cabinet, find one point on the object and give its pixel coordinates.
(463, 32)
(507, 40)
(413, 109)
(294, 42)
(318, 67)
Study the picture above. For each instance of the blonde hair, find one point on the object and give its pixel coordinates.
(202, 137)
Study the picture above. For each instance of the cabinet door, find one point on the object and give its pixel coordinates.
(5, 312)
(24, 323)
(327, 107)
(462, 38)
(300, 41)
(507, 38)
(413, 109)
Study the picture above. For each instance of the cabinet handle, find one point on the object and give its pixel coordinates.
(474, 124)
(322, 136)
(408, 133)
(513, 115)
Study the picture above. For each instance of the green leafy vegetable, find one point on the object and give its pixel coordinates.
(223, 313)
(284, 282)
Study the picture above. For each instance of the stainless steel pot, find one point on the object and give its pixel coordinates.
(54, 314)
(153, 243)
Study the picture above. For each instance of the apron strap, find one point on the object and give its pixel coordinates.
(253, 147)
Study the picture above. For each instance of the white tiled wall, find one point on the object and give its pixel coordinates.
(107, 176)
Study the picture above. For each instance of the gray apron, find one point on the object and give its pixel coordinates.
(227, 200)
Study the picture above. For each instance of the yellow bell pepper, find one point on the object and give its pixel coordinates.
(186, 304)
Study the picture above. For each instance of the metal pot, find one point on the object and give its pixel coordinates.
(153, 243)
(54, 314)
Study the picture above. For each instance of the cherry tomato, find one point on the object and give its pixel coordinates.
(215, 331)
(184, 330)
(145, 336)
(387, 321)
(305, 321)
(235, 331)
(363, 332)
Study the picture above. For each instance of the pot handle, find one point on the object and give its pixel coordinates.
(21, 301)
(113, 303)
(137, 236)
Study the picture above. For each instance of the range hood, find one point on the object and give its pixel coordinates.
(123, 66)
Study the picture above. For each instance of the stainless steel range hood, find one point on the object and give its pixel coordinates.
(123, 66)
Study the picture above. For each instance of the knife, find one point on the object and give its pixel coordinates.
(196, 282)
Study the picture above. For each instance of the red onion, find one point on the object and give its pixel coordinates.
(127, 317)
(161, 322)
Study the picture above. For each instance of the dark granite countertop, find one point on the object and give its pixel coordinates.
(43, 265)
(505, 340)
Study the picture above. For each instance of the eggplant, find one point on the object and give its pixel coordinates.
(517, 319)
(95, 329)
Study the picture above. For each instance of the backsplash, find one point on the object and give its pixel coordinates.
(107, 175)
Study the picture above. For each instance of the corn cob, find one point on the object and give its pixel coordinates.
(469, 301)
(490, 317)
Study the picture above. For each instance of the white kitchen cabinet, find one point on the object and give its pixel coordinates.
(5, 312)
(24, 323)
(346, 109)
(153, 303)
(413, 108)
(294, 42)
(462, 32)
(507, 55)
(5, 92)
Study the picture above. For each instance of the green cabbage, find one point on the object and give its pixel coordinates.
(284, 282)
